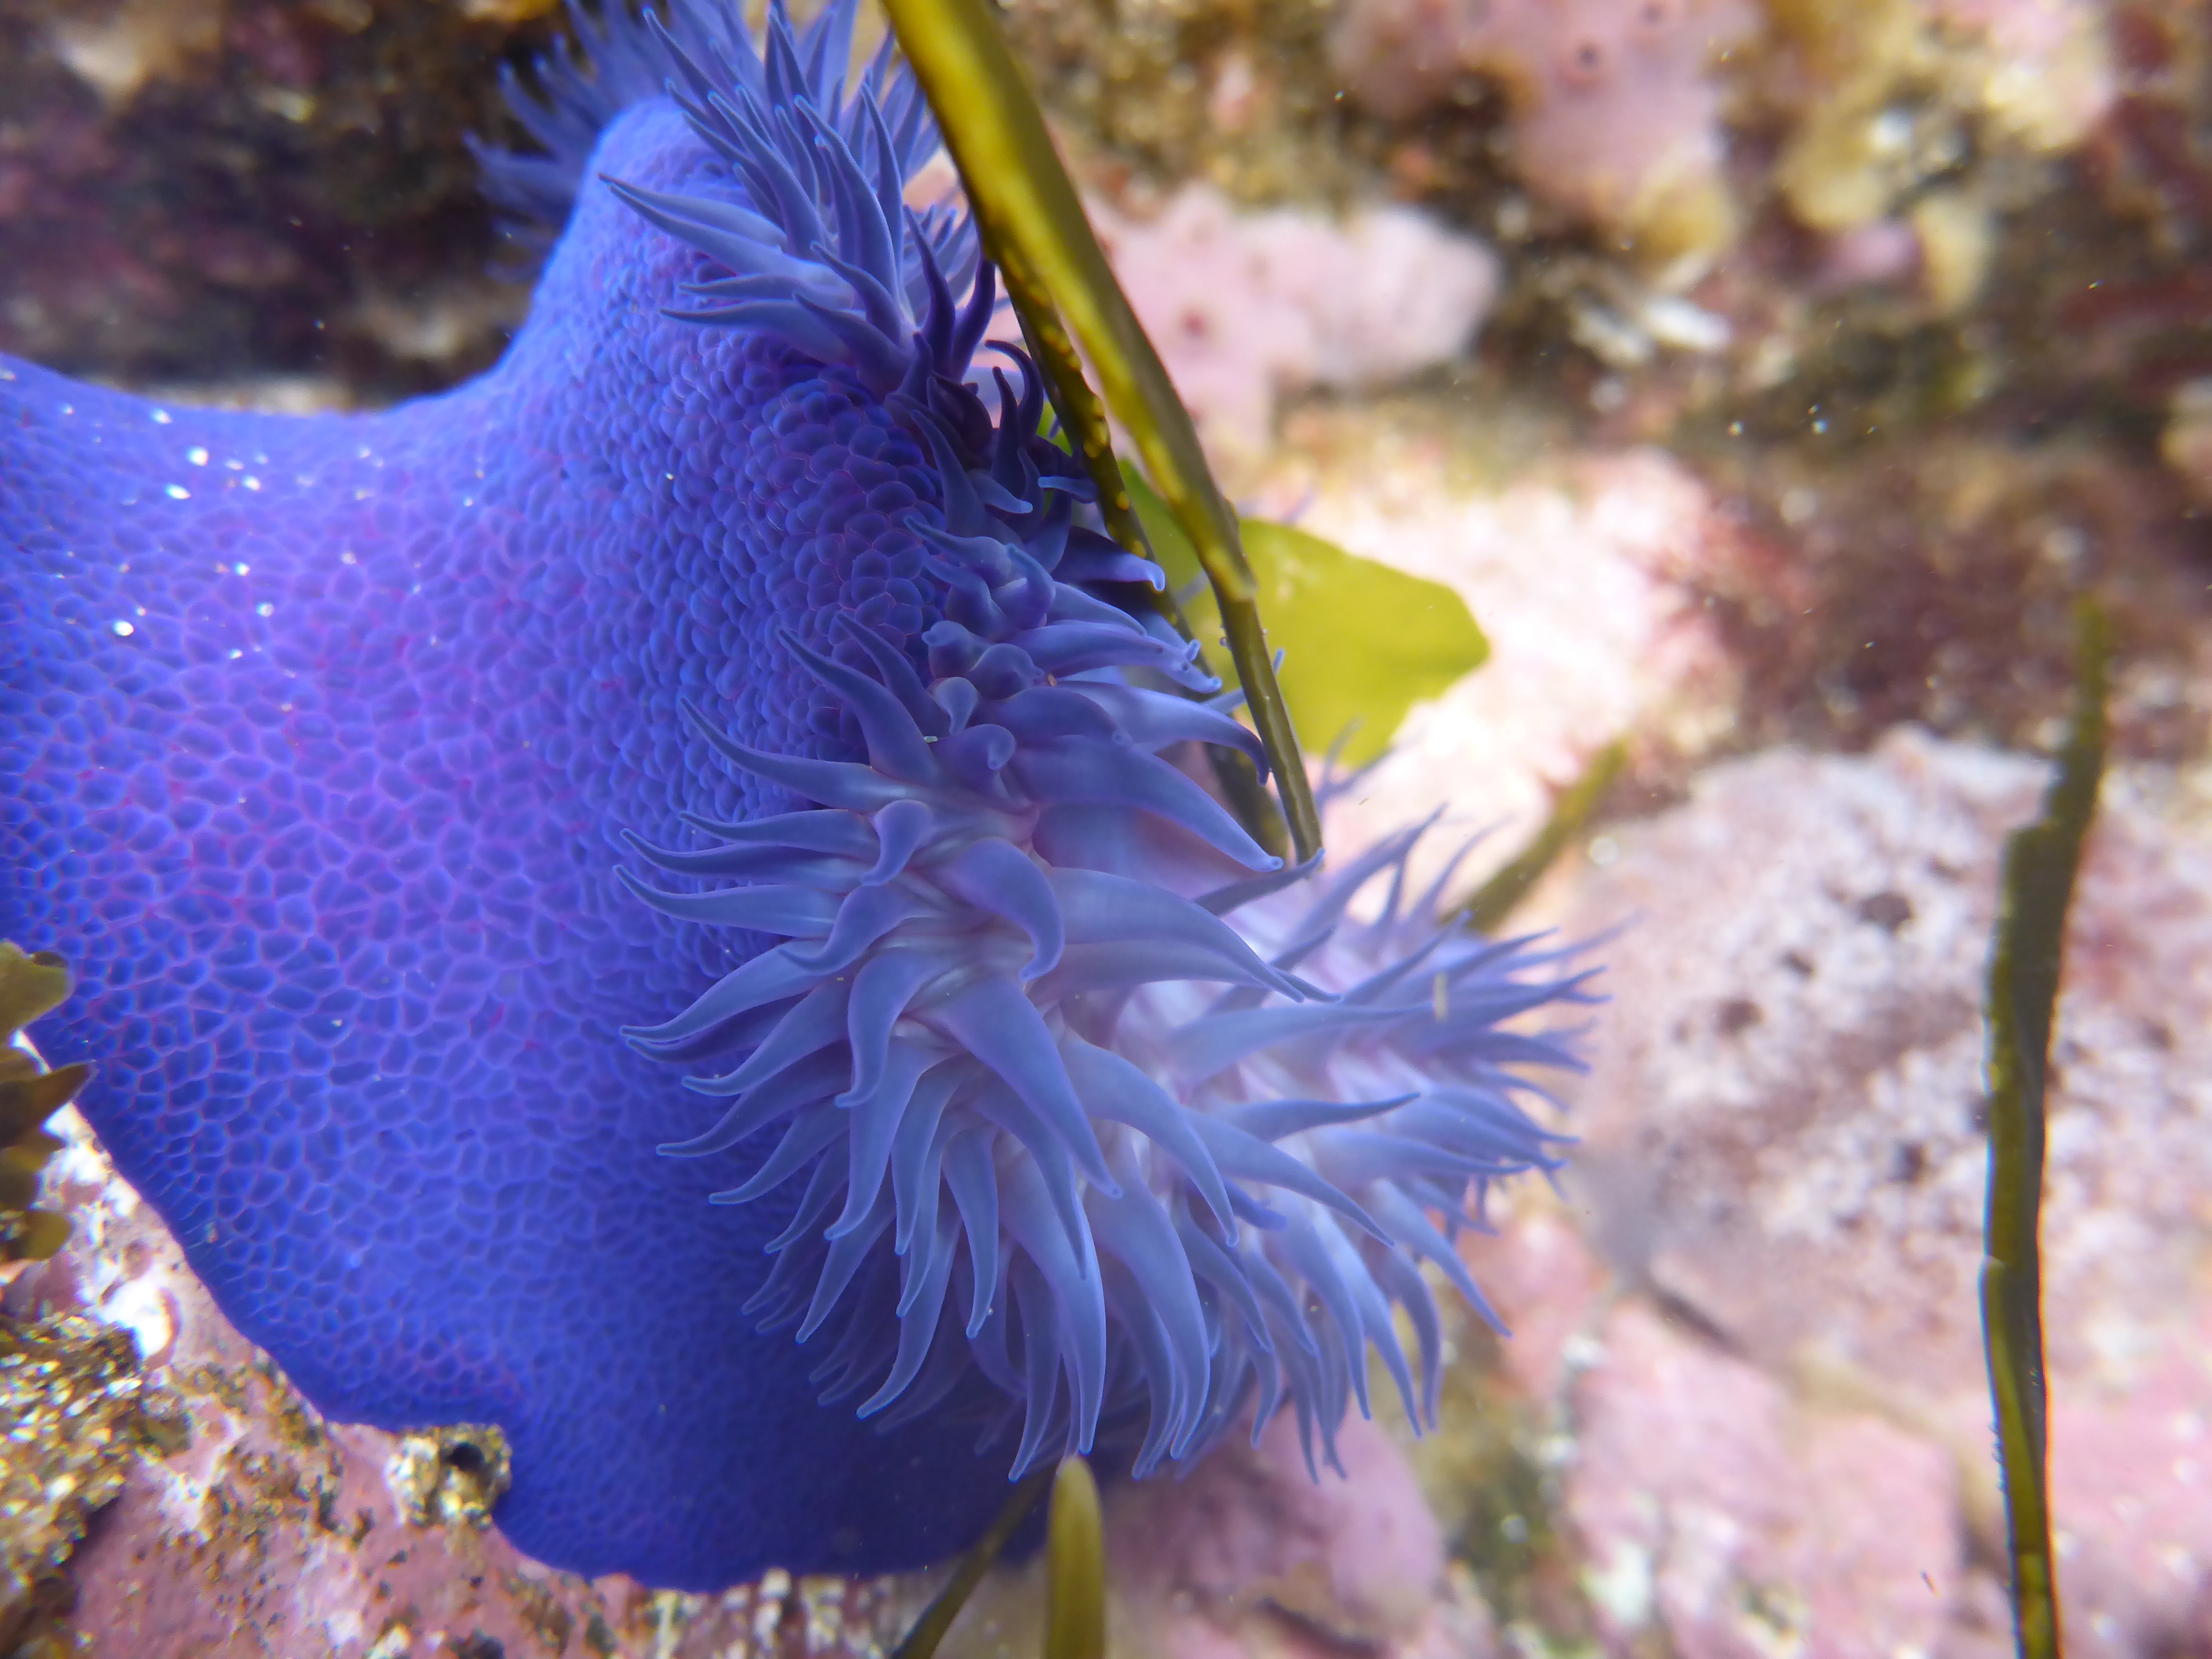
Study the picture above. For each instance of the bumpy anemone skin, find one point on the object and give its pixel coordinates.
(328, 835)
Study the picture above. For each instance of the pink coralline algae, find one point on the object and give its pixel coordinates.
(1782, 1138)
(1740, 1523)
(1616, 111)
(1248, 306)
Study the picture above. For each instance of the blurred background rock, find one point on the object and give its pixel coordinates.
(237, 191)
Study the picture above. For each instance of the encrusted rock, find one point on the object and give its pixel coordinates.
(1784, 1145)
(262, 1529)
(196, 190)
(1714, 1510)
(75, 1400)
(30, 984)
(452, 1475)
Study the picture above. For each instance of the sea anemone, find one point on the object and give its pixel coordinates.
(1055, 1112)
(1055, 1120)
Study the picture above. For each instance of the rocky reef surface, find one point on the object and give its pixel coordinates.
(1769, 377)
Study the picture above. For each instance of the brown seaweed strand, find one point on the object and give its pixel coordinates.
(937, 1618)
(1497, 898)
(2040, 863)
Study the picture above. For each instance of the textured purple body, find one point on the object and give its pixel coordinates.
(329, 837)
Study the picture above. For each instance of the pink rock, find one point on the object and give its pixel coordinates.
(1713, 1513)
(2131, 1491)
(1584, 577)
(1546, 1284)
(1782, 1128)
(1251, 1554)
(1245, 307)
(1614, 104)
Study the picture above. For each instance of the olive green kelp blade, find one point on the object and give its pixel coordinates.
(1075, 1567)
(1362, 643)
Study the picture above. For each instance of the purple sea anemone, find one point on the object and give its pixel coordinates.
(1049, 1108)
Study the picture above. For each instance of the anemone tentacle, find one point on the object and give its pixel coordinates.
(1028, 1121)
(1057, 1120)
(815, 238)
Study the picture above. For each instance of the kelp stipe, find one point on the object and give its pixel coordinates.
(2041, 862)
